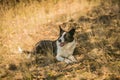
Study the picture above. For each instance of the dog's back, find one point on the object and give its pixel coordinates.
(44, 47)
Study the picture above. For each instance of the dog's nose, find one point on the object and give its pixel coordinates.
(59, 40)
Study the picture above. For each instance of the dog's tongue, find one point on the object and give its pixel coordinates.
(62, 44)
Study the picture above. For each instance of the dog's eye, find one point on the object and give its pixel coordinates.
(59, 40)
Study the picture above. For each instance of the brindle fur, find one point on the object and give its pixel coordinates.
(45, 46)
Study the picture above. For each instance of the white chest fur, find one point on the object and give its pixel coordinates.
(66, 50)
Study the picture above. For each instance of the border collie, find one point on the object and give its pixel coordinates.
(62, 48)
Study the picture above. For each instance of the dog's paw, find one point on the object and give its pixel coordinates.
(75, 61)
(72, 58)
(68, 61)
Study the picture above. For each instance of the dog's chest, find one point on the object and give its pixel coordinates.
(66, 50)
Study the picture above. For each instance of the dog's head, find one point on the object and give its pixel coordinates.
(65, 37)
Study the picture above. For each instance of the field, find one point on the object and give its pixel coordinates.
(25, 22)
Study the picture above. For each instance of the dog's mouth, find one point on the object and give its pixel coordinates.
(62, 44)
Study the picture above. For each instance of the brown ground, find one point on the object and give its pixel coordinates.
(97, 25)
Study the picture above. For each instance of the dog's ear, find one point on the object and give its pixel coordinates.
(72, 31)
(61, 30)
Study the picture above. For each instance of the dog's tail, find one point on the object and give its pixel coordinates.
(21, 51)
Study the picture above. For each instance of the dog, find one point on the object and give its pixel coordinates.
(62, 48)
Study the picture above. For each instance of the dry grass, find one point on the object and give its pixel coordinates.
(23, 23)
